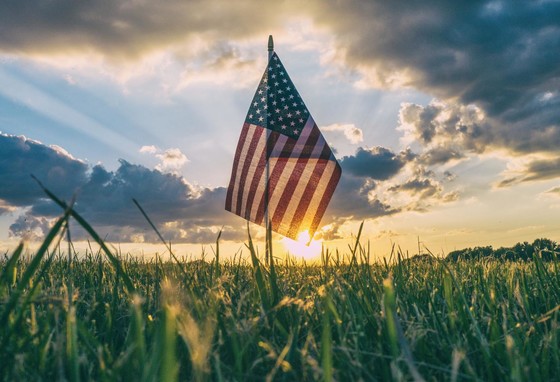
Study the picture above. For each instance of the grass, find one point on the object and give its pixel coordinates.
(108, 317)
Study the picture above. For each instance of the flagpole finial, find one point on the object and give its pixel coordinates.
(270, 44)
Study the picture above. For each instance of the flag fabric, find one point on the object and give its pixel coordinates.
(302, 171)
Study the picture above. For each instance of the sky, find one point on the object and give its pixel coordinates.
(444, 116)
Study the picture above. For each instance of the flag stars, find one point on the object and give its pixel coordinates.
(277, 104)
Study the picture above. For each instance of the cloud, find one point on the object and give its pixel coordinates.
(123, 29)
(554, 191)
(440, 155)
(535, 170)
(21, 157)
(148, 149)
(171, 160)
(376, 163)
(351, 132)
(497, 58)
(183, 211)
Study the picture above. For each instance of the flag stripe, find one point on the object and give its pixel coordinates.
(257, 197)
(252, 142)
(258, 183)
(293, 181)
(304, 207)
(240, 144)
(283, 169)
(327, 194)
(274, 177)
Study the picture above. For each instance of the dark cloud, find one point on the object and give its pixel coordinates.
(416, 186)
(127, 29)
(21, 157)
(500, 56)
(440, 155)
(376, 163)
(353, 200)
(183, 212)
(543, 169)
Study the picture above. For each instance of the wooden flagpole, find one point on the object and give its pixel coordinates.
(268, 253)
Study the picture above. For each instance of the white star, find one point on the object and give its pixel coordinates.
(284, 127)
(291, 96)
(263, 99)
(294, 104)
(289, 115)
(282, 99)
(298, 112)
(284, 80)
(271, 122)
(277, 110)
(260, 91)
(261, 119)
(292, 123)
(274, 103)
(285, 107)
(265, 107)
(296, 131)
(276, 84)
(255, 103)
(301, 120)
(280, 118)
(258, 111)
(250, 116)
(273, 76)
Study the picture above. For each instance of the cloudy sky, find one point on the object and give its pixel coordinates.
(445, 116)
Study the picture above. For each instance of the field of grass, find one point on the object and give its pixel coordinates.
(107, 317)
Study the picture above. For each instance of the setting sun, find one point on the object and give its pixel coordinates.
(304, 246)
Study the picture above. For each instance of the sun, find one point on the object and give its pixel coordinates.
(300, 247)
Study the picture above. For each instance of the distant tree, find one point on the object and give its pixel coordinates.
(549, 250)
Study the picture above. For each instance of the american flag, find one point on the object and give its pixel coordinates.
(302, 171)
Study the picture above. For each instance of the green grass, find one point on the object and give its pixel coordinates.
(107, 317)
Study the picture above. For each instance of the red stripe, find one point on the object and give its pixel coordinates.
(240, 143)
(308, 194)
(325, 200)
(258, 174)
(250, 154)
(292, 183)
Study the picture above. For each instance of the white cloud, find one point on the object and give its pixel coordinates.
(351, 132)
(172, 160)
(148, 149)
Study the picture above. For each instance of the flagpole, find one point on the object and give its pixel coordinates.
(267, 171)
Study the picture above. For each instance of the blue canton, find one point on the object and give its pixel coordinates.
(277, 104)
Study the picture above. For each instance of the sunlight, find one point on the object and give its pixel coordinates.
(299, 247)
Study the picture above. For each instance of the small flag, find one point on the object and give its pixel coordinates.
(302, 171)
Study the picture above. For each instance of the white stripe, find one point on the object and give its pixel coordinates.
(242, 158)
